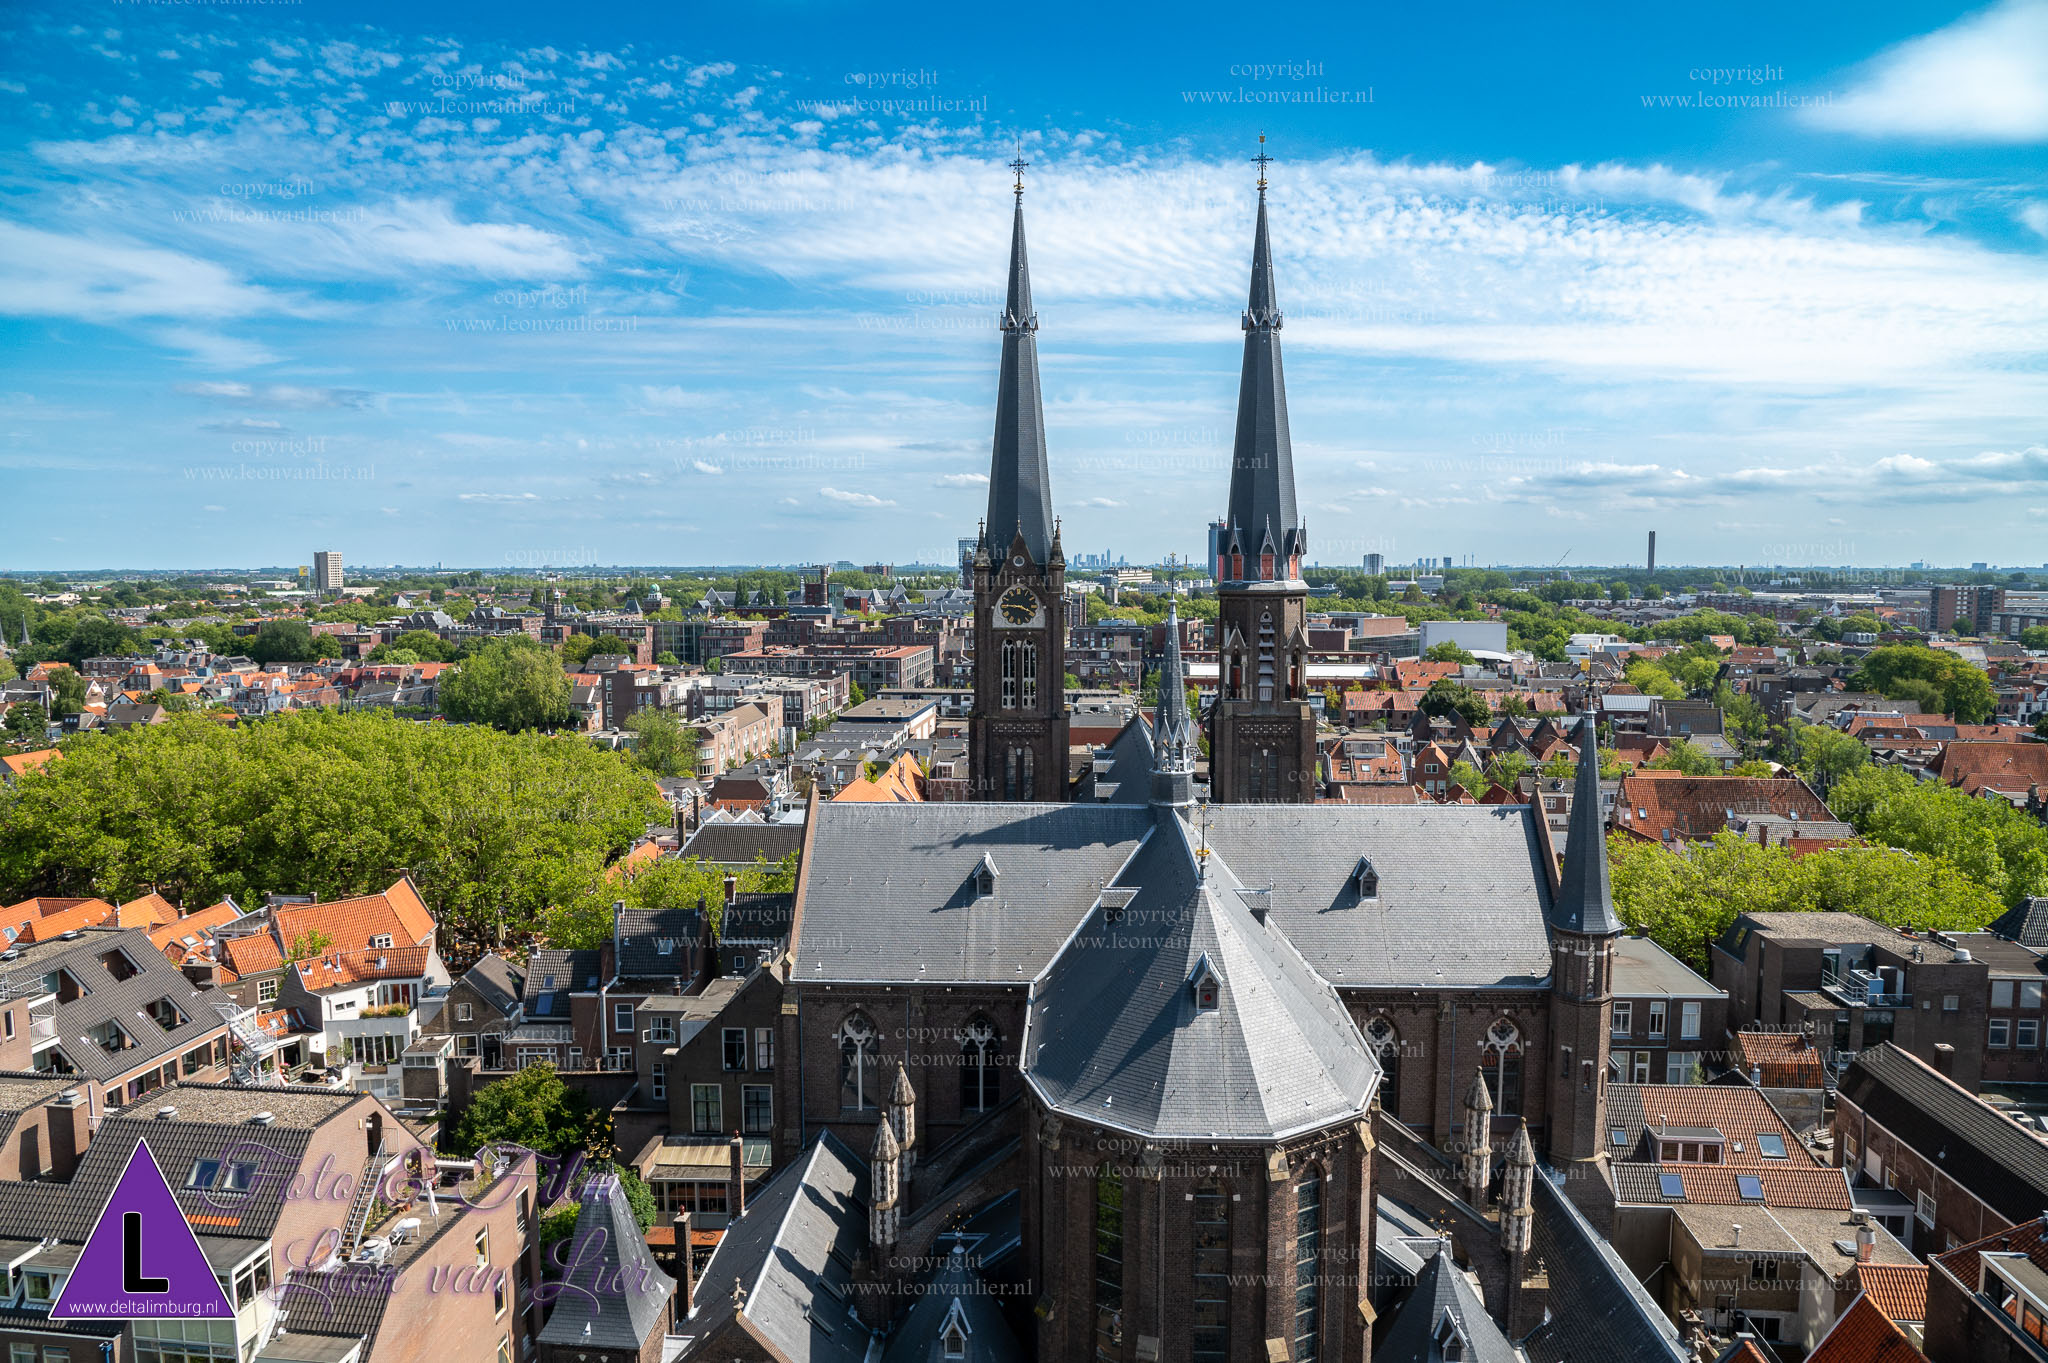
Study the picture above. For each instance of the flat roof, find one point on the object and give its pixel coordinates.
(1643, 967)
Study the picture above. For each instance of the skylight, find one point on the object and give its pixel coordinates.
(1671, 1185)
(1770, 1145)
(1750, 1186)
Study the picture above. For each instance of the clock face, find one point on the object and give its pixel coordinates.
(1018, 606)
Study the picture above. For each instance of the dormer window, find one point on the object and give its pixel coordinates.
(1366, 879)
(953, 1333)
(1205, 986)
(985, 877)
(382, 939)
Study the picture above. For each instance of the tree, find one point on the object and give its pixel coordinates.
(308, 945)
(2034, 638)
(1684, 900)
(1507, 768)
(855, 694)
(1449, 652)
(512, 684)
(397, 657)
(662, 743)
(95, 636)
(666, 659)
(282, 641)
(27, 720)
(1909, 671)
(495, 828)
(67, 693)
(671, 882)
(2041, 727)
(1446, 697)
(1827, 755)
(1756, 767)
(1652, 680)
(1688, 757)
(1468, 778)
(1998, 846)
(1513, 706)
(578, 649)
(533, 1108)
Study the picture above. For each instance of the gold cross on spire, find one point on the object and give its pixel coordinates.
(1018, 166)
(1262, 161)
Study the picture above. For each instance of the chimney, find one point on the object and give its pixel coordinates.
(1866, 1243)
(1737, 1229)
(1756, 1075)
(732, 889)
(1945, 1059)
(686, 1281)
(736, 1194)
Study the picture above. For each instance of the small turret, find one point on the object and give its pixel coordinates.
(1478, 1170)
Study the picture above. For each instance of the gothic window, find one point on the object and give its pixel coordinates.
(1212, 1268)
(1267, 660)
(859, 1063)
(1109, 1264)
(1503, 1051)
(980, 1065)
(1010, 647)
(1386, 1045)
(1308, 1249)
(1027, 667)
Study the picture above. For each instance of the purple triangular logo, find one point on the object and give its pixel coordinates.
(142, 1258)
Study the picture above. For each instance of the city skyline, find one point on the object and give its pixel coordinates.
(275, 283)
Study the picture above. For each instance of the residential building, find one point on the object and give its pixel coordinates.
(1668, 1023)
(327, 572)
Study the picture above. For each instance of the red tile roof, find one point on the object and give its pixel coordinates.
(1738, 1113)
(256, 952)
(1698, 807)
(1899, 1290)
(18, 763)
(2009, 767)
(1787, 1059)
(148, 911)
(170, 937)
(1866, 1334)
(349, 924)
(335, 969)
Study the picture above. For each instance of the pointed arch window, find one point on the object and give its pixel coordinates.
(1211, 1270)
(1308, 1254)
(1268, 660)
(1503, 1065)
(1380, 1034)
(1027, 675)
(1109, 1264)
(980, 1064)
(860, 1048)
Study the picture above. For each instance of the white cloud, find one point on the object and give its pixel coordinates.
(278, 395)
(1984, 78)
(104, 280)
(501, 497)
(704, 466)
(853, 498)
(962, 480)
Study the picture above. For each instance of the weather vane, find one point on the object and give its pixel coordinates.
(1262, 161)
(1018, 166)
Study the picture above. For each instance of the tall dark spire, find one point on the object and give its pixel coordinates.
(1019, 484)
(1264, 540)
(1585, 900)
(1175, 742)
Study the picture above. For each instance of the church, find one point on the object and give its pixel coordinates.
(1132, 1079)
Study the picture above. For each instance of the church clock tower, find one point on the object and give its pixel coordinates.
(1262, 746)
(1017, 734)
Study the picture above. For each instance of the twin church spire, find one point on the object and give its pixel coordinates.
(1018, 730)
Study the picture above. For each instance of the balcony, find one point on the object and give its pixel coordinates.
(1861, 988)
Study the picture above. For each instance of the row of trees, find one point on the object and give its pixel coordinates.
(497, 829)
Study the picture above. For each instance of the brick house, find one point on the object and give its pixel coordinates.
(1668, 1023)
(1966, 1169)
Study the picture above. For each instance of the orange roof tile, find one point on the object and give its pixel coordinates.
(335, 969)
(1865, 1334)
(146, 912)
(897, 785)
(82, 913)
(170, 937)
(349, 924)
(635, 861)
(256, 952)
(1787, 1059)
(1899, 1290)
(1740, 1114)
(18, 763)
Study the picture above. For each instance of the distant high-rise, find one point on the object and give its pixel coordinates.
(1375, 565)
(327, 570)
(967, 544)
(1653, 551)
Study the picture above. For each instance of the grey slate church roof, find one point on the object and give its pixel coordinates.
(1019, 485)
(888, 896)
(1596, 1308)
(1114, 1035)
(1443, 1305)
(613, 1296)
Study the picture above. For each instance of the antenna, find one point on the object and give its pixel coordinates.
(1262, 161)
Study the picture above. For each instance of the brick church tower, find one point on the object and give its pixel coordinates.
(1017, 733)
(1583, 926)
(1262, 745)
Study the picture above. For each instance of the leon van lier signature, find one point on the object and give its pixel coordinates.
(313, 1281)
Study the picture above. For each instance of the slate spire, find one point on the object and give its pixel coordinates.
(1019, 485)
(1175, 742)
(1585, 900)
(1262, 520)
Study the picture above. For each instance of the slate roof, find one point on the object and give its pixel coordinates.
(758, 917)
(1443, 1305)
(1262, 517)
(740, 844)
(1597, 1308)
(1641, 967)
(790, 1251)
(1114, 1034)
(1462, 898)
(2026, 923)
(497, 981)
(643, 932)
(955, 1292)
(614, 1296)
(1585, 898)
(1019, 484)
(1985, 1152)
(551, 976)
(118, 1001)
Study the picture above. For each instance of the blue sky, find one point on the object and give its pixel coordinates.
(500, 285)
